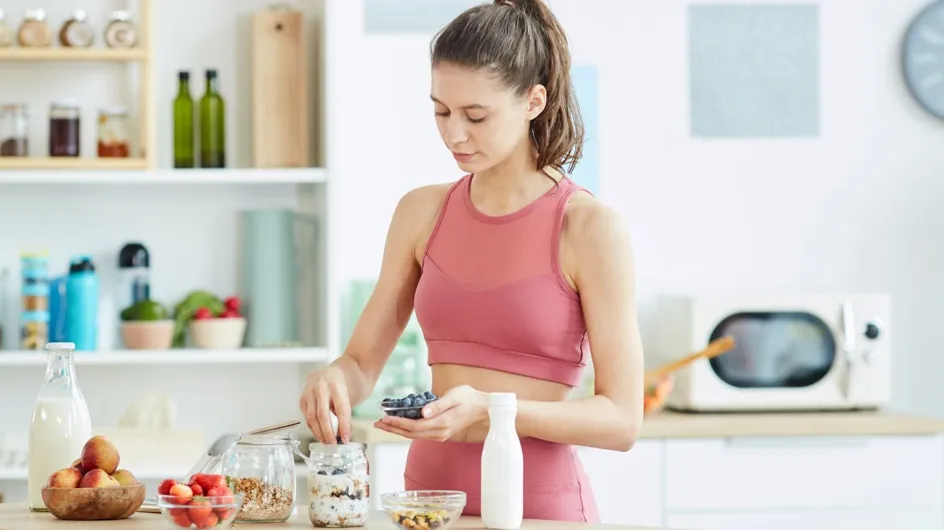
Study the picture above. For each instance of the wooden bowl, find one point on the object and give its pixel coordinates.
(94, 504)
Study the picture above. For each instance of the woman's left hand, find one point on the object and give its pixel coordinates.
(454, 412)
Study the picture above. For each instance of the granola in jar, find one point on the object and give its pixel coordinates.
(262, 468)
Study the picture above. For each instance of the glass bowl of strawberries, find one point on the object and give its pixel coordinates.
(205, 501)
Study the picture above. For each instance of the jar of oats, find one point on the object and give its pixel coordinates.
(338, 485)
(262, 468)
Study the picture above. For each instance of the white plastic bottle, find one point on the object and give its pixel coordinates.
(61, 423)
(502, 466)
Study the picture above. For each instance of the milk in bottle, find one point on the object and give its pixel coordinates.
(61, 423)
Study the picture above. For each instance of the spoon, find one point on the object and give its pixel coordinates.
(714, 349)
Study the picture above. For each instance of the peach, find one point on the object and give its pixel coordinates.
(78, 465)
(97, 478)
(124, 477)
(99, 453)
(65, 478)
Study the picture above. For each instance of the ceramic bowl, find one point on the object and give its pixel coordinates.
(94, 504)
(147, 335)
(218, 333)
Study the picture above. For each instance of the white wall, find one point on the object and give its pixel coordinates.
(853, 210)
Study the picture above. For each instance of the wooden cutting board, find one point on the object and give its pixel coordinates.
(280, 97)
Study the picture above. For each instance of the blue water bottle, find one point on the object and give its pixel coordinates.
(82, 287)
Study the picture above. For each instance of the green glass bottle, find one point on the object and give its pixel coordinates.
(183, 124)
(212, 125)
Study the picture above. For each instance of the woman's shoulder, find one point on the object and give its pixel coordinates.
(589, 222)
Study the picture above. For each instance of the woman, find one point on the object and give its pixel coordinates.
(512, 270)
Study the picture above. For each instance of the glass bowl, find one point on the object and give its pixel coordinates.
(200, 512)
(432, 509)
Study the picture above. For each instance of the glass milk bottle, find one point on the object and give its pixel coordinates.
(61, 423)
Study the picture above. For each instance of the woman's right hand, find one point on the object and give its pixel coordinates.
(326, 392)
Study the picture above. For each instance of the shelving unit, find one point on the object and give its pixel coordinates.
(73, 54)
(194, 177)
(175, 356)
(141, 56)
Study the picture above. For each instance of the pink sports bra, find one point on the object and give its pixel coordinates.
(492, 294)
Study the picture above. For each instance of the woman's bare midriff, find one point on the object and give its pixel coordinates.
(448, 376)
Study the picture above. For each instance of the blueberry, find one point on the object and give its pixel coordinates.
(322, 472)
(337, 471)
(338, 439)
(429, 395)
(414, 414)
(407, 402)
(419, 401)
(400, 413)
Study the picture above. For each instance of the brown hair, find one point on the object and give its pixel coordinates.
(523, 43)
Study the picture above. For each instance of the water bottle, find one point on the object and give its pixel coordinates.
(82, 288)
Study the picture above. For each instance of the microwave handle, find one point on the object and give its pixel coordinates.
(854, 368)
(848, 330)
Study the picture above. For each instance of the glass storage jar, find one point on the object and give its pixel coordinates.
(113, 133)
(262, 468)
(338, 485)
(64, 126)
(14, 130)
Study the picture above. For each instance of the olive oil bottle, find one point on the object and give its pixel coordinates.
(184, 141)
(212, 124)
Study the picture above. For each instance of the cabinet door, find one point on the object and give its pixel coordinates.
(860, 519)
(387, 463)
(627, 486)
(804, 472)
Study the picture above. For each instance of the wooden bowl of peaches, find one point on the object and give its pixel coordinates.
(93, 488)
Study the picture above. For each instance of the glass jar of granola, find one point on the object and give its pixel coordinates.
(338, 488)
(262, 468)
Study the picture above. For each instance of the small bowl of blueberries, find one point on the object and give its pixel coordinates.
(410, 406)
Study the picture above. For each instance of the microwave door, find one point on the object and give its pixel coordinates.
(851, 354)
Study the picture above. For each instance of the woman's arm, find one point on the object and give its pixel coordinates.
(603, 273)
(351, 377)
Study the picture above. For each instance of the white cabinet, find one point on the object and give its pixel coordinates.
(628, 487)
(821, 519)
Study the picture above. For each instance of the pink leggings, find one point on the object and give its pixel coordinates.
(555, 485)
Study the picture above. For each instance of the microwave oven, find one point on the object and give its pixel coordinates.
(792, 351)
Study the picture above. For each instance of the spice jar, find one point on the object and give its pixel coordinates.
(120, 32)
(34, 32)
(338, 485)
(6, 32)
(262, 468)
(14, 130)
(64, 125)
(76, 32)
(34, 319)
(113, 134)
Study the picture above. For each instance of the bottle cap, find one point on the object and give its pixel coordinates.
(60, 346)
(133, 255)
(183, 75)
(81, 264)
(502, 399)
(211, 73)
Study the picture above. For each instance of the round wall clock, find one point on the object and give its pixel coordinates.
(923, 58)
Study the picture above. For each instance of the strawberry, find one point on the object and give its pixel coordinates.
(233, 303)
(200, 511)
(197, 489)
(229, 313)
(209, 482)
(202, 313)
(221, 495)
(180, 517)
(208, 522)
(166, 485)
(182, 494)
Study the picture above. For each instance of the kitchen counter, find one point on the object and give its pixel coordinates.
(19, 517)
(704, 425)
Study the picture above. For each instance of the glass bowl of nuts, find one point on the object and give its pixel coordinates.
(431, 509)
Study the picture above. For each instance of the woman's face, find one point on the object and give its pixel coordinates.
(481, 121)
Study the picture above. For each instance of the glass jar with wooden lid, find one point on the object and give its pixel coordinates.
(34, 32)
(113, 133)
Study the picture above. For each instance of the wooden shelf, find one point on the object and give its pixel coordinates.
(174, 356)
(121, 176)
(12, 162)
(73, 54)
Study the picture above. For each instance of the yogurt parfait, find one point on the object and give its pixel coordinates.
(338, 485)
